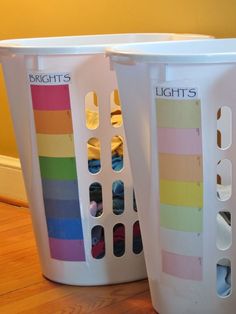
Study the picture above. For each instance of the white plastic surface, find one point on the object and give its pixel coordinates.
(80, 60)
(206, 51)
(83, 44)
(176, 293)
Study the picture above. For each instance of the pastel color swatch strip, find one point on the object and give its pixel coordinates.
(181, 218)
(179, 141)
(53, 124)
(55, 145)
(182, 266)
(181, 186)
(186, 168)
(181, 193)
(172, 113)
(172, 241)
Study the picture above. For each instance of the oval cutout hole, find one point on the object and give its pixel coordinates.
(118, 199)
(224, 230)
(91, 111)
(98, 242)
(137, 239)
(95, 197)
(117, 153)
(224, 127)
(93, 147)
(224, 172)
(119, 240)
(223, 278)
(219, 138)
(134, 202)
(116, 114)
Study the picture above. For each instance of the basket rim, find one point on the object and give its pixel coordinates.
(83, 44)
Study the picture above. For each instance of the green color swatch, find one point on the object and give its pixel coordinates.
(181, 218)
(58, 168)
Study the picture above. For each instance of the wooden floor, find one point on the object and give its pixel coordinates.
(23, 289)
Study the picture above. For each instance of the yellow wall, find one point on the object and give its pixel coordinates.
(37, 18)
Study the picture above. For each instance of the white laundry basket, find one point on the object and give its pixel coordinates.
(50, 81)
(179, 109)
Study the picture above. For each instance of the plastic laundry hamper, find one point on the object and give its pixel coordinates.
(66, 117)
(179, 107)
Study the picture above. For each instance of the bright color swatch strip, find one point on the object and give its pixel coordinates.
(50, 97)
(53, 123)
(55, 145)
(62, 168)
(70, 250)
(60, 189)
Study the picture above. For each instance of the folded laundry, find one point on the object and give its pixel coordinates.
(94, 165)
(92, 118)
(94, 144)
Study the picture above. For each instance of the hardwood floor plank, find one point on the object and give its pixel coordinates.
(23, 289)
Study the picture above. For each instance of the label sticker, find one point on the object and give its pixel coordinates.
(42, 78)
(173, 92)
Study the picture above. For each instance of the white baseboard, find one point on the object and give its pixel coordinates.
(11, 179)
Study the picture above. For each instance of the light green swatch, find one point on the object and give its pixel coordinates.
(172, 113)
(181, 218)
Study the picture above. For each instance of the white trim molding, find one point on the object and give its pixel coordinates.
(11, 179)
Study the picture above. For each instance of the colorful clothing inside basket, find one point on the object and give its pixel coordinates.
(96, 204)
(93, 143)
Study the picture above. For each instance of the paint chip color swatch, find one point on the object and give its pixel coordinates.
(186, 168)
(181, 193)
(50, 97)
(179, 142)
(54, 130)
(172, 113)
(181, 218)
(182, 266)
(53, 122)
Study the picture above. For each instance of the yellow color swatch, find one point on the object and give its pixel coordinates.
(181, 193)
(55, 145)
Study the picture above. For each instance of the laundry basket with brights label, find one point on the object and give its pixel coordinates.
(68, 124)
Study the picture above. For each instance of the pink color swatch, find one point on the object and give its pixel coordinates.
(50, 97)
(67, 250)
(179, 141)
(182, 266)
